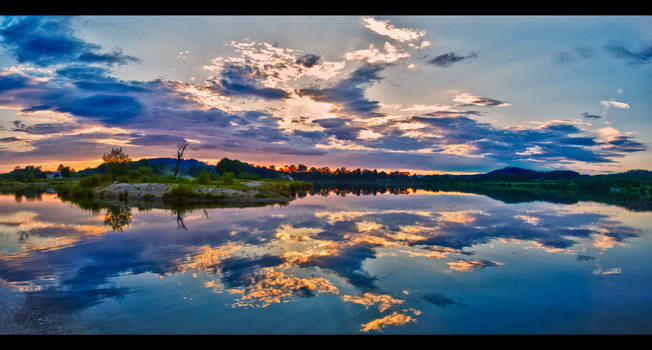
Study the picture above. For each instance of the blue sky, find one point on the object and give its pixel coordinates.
(423, 94)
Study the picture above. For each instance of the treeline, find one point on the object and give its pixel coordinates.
(31, 173)
(633, 181)
(325, 174)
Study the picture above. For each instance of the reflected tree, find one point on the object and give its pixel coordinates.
(117, 217)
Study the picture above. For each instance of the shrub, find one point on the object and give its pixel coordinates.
(249, 176)
(204, 178)
(123, 196)
(228, 178)
(180, 193)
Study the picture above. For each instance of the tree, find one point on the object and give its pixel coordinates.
(117, 162)
(227, 165)
(181, 147)
(64, 170)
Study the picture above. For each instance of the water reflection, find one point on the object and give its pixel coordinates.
(61, 259)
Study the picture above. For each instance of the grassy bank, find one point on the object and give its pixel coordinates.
(171, 189)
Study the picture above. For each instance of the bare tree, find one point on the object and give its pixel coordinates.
(181, 147)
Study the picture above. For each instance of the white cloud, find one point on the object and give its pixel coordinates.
(373, 55)
(616, 104)
(398, 34)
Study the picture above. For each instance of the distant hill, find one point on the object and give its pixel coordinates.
(511, 170)
(160, 165)
(172, 162)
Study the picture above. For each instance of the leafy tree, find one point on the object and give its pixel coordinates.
(117, 162)
(65, 170)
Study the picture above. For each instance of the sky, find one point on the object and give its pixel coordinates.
(432, 94)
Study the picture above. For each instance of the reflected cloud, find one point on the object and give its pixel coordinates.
(395, 319)
(469, 265)
(272, 286)
(384, 301)
(263, 256)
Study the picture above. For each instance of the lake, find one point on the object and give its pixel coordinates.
(400, 262)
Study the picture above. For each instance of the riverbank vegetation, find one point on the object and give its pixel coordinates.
(231, 179)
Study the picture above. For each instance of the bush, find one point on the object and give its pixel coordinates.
(249, 176)
(180, 193)
(204, 178)
(228, 178)
(93, 181)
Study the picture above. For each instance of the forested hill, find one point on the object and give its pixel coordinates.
(634, 180)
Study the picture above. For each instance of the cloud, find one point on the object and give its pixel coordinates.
(448, 59)
(395, 319)
(585, 257)
(591, 116)
(111, 109)
(441, 300)
(373, 55)
(45, 41)
(633, 58)
(264, 65)
(12, 82)
(466, 99)
(554, 141)
(348, 94)
(242, 81)
(570, 56)
(386, 29)
(468, 265)
(308, 60)
(616, 104)
(341, 128)
(156, 140)
(45, 128)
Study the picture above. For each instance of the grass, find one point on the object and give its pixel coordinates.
(183, 190)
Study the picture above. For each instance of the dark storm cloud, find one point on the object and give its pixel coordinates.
(349, 92)
(84, 73)
(624, 144)
(341, 128)
(111, 109)
(643, 56)
(114, 87)
(448, 59)
(243, 81)
(591, 116)
(44, 41)
(12, 82)
(308, 60)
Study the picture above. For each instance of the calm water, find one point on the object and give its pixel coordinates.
(421, 262)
